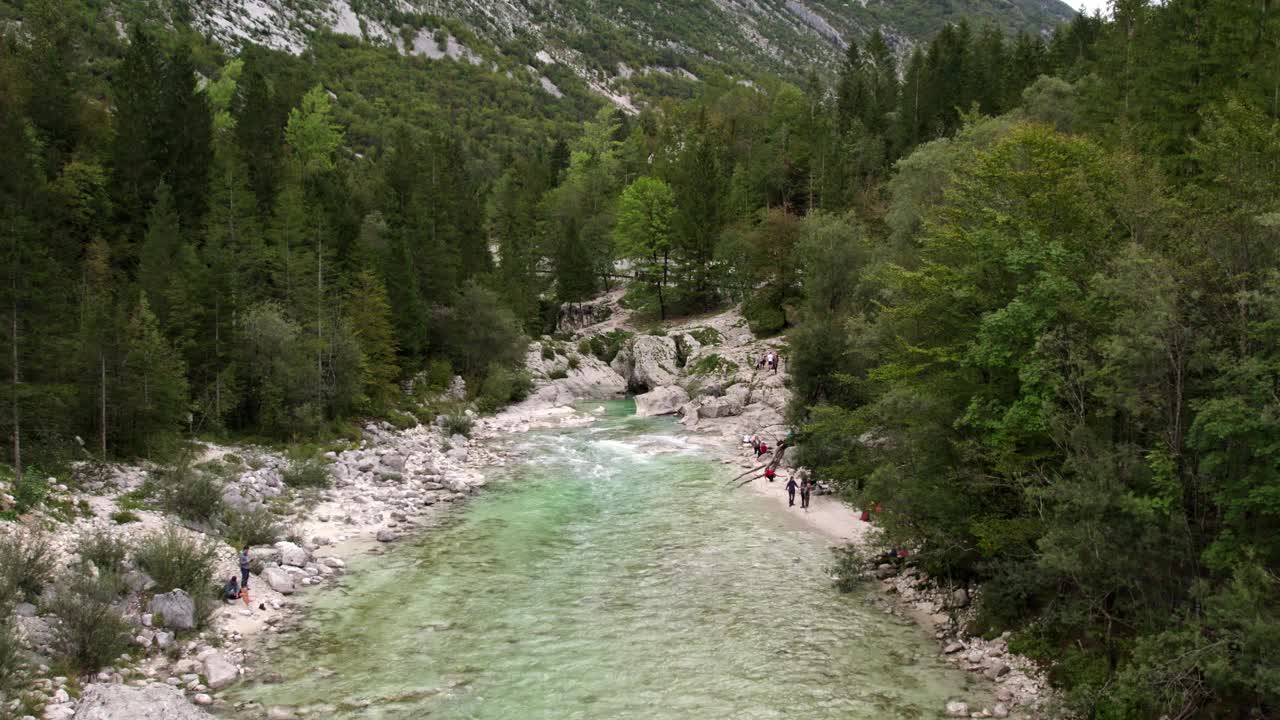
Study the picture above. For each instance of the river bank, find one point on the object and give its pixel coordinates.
(400, 483)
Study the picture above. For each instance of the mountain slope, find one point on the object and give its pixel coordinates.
(618, 47)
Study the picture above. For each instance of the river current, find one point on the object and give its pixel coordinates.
(610, 575)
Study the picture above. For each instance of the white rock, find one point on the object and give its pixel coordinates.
(279, 580)
(291, 554)
(219, 672)
(202, 699)
(114, 702)
(176, 607)
(661, 401)
(955, 708)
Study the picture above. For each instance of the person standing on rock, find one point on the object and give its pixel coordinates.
(805, 488)
(791, 492)
(245, 564)
(755, 445)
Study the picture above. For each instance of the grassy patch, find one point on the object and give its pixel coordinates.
(106, 550)
(706, 336)
(713, 364)
(311, 473)
(122, 517)
(175, 560)
(458, 424)
(25, 565)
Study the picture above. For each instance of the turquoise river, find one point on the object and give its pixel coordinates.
(609, 574)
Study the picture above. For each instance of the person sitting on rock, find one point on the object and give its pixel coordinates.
(231, 591)
(770, 474)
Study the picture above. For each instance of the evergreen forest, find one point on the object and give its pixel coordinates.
(1030, 286)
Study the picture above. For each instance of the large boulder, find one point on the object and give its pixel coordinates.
(219, 672)
(150, 702)
(279, 580)
(592, 379)
(176, 608)
(647, 362)
(720, 407)
(662, 401)
(292, 554)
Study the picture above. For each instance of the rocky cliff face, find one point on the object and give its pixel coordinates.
(618, 48)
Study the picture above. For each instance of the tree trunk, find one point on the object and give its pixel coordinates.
(102, 404)
(17, 378)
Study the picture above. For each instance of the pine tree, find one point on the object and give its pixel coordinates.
(99, 337)
(159, 252)
(152, 387)
(368, 312)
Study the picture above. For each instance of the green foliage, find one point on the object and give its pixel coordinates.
(607, 346)
(91, 632)
(457, 424)
(191, 493)
(706, 336)
(846, 568)
(643, 232)
(763, 313)
(311, 473)
(557, 373)
(255, 526)
(501, 386)
(123, 517)
(713, 364)
(12, 660)
(106, 550)
(548, 352)
(25, 566)
(574, 362)
(174, 559)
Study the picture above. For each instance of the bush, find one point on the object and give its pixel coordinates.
(558, 374)
(191, 493)
(250, 527)
(313, 473)
(575, 362)
(438, 375)
(707, 336)
(120, 517)
(607, 346)
(846, 570)
(548, 352)
(92, 632)
(503, 385)
(176, 560)
(25, 565)
(713, 364)
(11, 654)
(104, 549)
(584, 347)
(402, 420)
(763, 313)
(457, 424)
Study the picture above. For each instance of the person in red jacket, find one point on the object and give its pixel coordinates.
(770, 474)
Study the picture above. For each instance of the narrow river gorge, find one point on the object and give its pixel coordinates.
(610, 573)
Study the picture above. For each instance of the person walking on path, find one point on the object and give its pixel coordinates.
(791, 492)
(245, 563)
(805, 488)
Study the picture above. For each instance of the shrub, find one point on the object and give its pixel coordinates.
(548, 352)
(25, 564)
(607, 346)
(575, 362)
(439, 374)
(313, 473)
(503, 385)
(250, 527)
(120, 517)
(92, 632)
(558, 374)
(763, 313)
(11, 654)
(707, 336)
(104, 549)
(176, 560)
(402, 420)
(712, 364)
(192, 494)
(458, 424)
(584, 347)
(846, 570)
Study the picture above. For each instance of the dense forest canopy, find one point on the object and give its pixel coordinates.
(1030, 285)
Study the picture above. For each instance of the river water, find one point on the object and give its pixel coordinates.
(612, 575)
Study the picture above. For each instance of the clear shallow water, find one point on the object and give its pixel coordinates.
(611, 576)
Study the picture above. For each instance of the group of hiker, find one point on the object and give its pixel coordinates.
(769, 360)
(805, 486)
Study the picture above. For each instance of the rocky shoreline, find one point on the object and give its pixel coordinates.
(400, 482)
